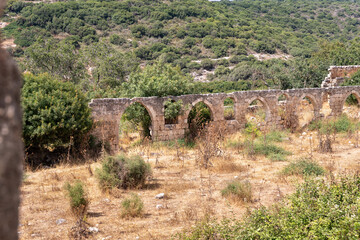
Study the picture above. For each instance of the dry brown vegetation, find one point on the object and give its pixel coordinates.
(191, 191)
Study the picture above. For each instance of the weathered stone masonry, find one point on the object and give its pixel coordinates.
(107, 112)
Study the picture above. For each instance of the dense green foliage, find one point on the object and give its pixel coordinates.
(315, 33)
(317, 210)
(54, 112)
(123, 172)
(142, 48)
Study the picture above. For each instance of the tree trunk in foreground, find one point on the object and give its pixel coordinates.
(11, 147)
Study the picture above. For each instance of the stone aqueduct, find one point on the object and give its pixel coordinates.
(107, 112)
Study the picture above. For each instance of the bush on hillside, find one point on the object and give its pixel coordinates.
(123, 172)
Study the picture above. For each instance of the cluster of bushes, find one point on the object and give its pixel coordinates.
(123, 172)
(204, 26)
(116, 172)
(317, 209)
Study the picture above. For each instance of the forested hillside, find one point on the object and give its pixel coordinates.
(73, 51)
(97, 44)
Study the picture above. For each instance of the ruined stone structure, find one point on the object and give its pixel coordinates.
(11, 148)
(337, 75)
(107, 112)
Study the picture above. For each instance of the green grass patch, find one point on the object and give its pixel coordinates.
(276, 136)
(303, 167)
(238, 191)
(270, 151)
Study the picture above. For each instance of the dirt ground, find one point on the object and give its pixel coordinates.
(190, 192)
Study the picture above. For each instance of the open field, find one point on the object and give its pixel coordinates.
(190, 192)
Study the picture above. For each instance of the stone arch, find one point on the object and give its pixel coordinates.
(307, 116)
(347, 95)
(268, 114)
(286, 95)
(207, 103)
(356, 94)
(149, 109)
(312, 100)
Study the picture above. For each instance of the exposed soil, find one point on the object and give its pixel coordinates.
(190, 192)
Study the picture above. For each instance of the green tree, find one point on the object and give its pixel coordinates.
(60, 59)
(159, 80)
(54, 112)
(108, 67)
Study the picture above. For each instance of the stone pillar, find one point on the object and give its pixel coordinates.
(11, 147)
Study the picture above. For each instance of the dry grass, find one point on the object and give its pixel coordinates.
(192, 193)
(226, 164)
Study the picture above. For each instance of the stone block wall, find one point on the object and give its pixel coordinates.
(337, 74)
(107, 112)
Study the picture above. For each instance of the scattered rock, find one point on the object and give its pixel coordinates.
(159, 206)
(93, 229)
(236, 177)
(160, 196)
(60, 221)
(108, 237)
(106, 200)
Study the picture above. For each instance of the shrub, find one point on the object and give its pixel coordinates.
(207, 64)
(275, 136)
(317, 210)
(123, 172)
(238, 191)
(343, 123)
(303, 167)
(132, 206)
(271, 151)
(117, 40)
(54, 111)
(78, 198)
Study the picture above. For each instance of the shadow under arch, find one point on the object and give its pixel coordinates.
(197, 117)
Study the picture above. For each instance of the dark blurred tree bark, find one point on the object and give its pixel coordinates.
(11, 147)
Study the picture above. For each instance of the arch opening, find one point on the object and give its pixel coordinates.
(325, 110)
(306, 111)
(229, 109)
(172, 109)
(135, 124)
(198, 117)
(351, 106)
(256, 113)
